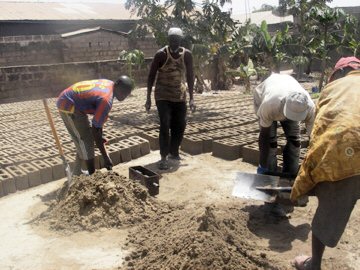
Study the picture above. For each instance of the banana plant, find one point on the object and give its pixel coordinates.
(327, 25)
(271, 47)
(134, 58)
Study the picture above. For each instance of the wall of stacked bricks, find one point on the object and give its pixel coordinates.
(223, 125)
(38, 81)
(51, 49)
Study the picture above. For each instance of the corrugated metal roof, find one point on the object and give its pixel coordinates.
(258, 17)
(17, 11)
(89, 30)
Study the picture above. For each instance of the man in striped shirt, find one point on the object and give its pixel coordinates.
(90, 97)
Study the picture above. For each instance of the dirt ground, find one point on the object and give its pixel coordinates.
(198, 182)
(206, 212)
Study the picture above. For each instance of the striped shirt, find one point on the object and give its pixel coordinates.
(91, 97)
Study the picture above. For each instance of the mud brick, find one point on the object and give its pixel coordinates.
(39, 154)
(20, 177)
(5, 161)
(44, 169)
(125, 152)
(191, 130)
(134, 148)
(144, 144)
(2, 193)
(32, 172)
(192, 144)
(58, 169)
(111, 138)
(207, 143)
(153, 137)
(7, 182)
(226, 149)
(250, 154)
(114, 154)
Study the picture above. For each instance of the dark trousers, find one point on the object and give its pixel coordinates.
(291, 151)
(172, 126)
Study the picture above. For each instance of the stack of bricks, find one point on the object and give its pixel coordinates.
(224, 125)
(29, 157)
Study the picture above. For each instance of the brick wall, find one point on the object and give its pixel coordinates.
(94, 46)
(20, 83)
(27, 50)
(100, 45)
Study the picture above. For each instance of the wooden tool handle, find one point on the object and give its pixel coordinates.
(53, 130)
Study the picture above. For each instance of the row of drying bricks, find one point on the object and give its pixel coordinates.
(36, 172)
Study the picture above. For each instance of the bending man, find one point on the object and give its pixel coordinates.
(90, 97)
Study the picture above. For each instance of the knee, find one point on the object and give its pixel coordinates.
(294, 141)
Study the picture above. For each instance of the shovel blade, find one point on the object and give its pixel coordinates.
(246, 185)
(68, 174)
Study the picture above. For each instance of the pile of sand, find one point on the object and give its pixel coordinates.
(102, 200)
(216, 238)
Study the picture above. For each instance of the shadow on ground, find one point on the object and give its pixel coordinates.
(278, 231)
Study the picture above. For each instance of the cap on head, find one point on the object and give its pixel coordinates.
(175, 31)
(344, 62)
(296, 106)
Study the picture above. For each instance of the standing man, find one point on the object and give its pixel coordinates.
(280, 98)
(171, 64)
(90, 97)
(331, 169)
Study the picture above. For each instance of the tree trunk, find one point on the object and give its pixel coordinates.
(323, 60)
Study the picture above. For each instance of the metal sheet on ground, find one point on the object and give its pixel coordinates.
(246, 186)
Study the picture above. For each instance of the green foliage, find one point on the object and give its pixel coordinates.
(134, 58)
(271, 48)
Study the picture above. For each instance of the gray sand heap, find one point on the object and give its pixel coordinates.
(193, 239)
(102, 200)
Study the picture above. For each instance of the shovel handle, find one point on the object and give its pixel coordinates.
(53, 130)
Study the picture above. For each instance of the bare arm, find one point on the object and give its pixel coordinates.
(157, 62)
(189, 72)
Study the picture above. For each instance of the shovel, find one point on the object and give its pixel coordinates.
(57, 141)
(247, 186)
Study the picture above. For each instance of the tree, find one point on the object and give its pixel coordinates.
(327, 28)
(270, 48)
(207, 25)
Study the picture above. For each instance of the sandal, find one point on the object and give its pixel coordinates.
(302, 262)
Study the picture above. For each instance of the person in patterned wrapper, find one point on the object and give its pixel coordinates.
(171, 67)
(331, 168)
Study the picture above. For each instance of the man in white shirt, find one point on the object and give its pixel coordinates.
(280, 98)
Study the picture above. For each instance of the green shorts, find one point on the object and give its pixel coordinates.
(336, 202)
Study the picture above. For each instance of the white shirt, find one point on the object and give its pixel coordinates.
(270, 96)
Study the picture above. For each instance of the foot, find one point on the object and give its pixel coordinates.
(302, 262)
(174, 157)
(163, 164)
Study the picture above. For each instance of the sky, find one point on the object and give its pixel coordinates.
(238, 6)
(247, 6)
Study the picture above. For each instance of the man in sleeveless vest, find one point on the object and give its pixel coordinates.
(171, 66)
